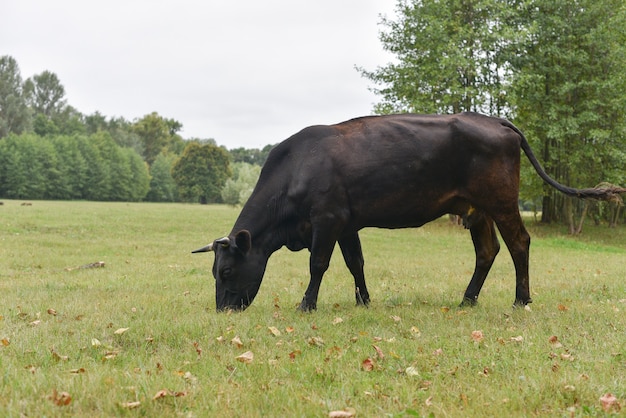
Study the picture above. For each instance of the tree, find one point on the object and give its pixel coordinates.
(28, 168)
(162, 185)
(45, 94)
(156, 134)
(251, 156)
(448, 58)
(569, 94)
(119, 128)
(238, 189)
(201, 172)
(14, 113)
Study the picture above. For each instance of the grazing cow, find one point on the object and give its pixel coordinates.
(325, 183)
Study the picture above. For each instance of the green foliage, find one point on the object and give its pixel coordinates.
(251, 156)
(201, 172)
(162, 184)
(238, 189)
(569, 88)
(14, 113)
(156, 134)
(448, 58)
(58, 323)
(76, 167)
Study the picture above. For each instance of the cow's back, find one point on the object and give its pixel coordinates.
(391, 171)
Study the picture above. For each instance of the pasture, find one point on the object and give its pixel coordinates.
(140, 336)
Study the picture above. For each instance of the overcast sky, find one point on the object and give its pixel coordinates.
(243, 72)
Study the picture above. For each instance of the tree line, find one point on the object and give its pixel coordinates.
(553, 67)
(49, 150)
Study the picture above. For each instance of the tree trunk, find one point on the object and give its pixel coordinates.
(568, 212)
(546, 209)
(579, 230)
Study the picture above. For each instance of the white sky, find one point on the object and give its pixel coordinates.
(243, 72)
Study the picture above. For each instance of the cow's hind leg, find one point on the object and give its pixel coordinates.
(517, 240)
(486, 246)
(353, 255)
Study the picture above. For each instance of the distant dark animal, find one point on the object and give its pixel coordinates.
(325, 183)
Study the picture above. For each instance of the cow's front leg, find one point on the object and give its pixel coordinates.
(318, 265)
(322, 248)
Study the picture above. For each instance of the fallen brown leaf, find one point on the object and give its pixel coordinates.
(477, 336)
(368, 364)
(57, 356)
(316, 341)
(379, 352)
(294, 354)
(236, 342)
(610, 403)
(246, 357)
(160, 394)
(60, 398)
(274, 331)
(346, 413)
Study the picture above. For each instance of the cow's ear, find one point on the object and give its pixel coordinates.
(243, 241)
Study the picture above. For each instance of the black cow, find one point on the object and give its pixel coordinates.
(325, 183)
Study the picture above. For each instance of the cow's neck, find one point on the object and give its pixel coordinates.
(264, 219)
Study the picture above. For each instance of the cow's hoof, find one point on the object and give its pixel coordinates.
(307, 307)
(468, 302)
(362, 301)
(520, 303)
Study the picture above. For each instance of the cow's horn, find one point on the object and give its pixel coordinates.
(204, 249)
(224, 242)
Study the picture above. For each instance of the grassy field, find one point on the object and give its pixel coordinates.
(140, 336)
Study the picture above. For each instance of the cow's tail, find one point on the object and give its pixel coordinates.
(603, 191)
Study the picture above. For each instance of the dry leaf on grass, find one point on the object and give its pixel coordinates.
(57, 356)
(346, 413)
(610, 403)
(246, 357)
(236, 342)
(60, 398)
(477, 336)
(316, 341)
(274, 331)
(368, 364)
(412, 371)
(120, 331)
(130, 405)
(379, 352)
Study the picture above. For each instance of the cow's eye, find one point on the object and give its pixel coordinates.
(227, 272)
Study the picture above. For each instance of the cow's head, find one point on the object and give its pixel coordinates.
(238, 270)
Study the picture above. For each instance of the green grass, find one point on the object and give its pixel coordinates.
(176, 342)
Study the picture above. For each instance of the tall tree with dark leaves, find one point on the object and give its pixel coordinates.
(15, 116)
(201, 172)
(569, 89)
(447, 58)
